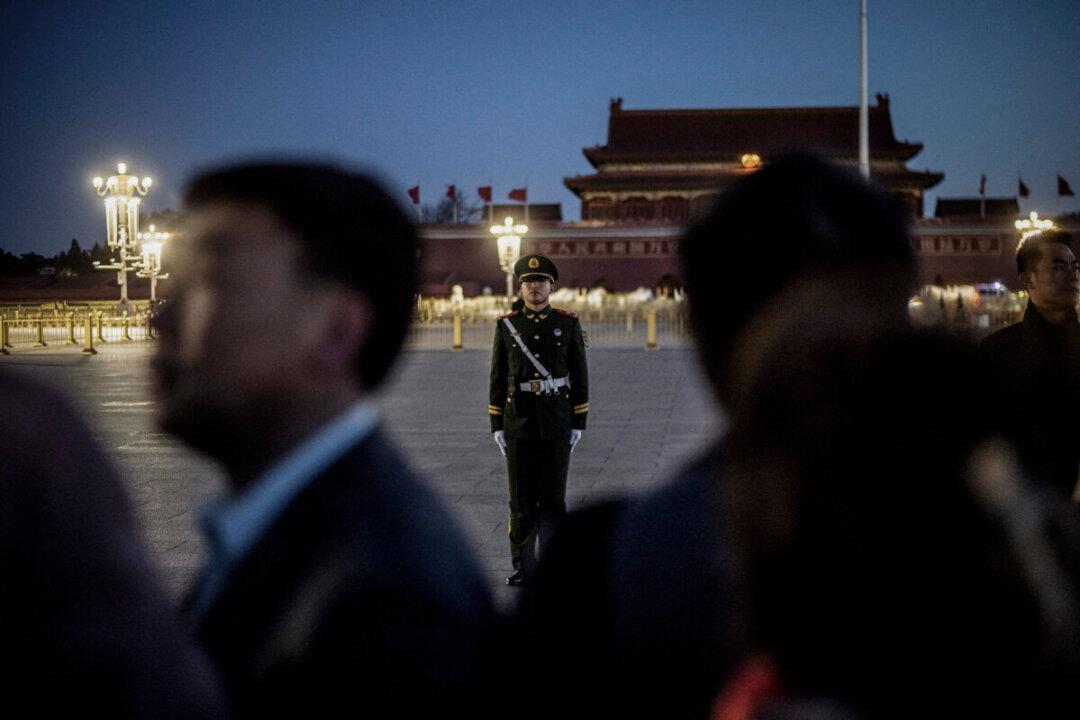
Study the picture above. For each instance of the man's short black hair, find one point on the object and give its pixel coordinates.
(351, 230)
(1029, 251)
(797, 215)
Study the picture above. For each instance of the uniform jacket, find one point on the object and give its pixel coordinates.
(556, 339)
(361, 598)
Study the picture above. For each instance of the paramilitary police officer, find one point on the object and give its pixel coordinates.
(538, 402)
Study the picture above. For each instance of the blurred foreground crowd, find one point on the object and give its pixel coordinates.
(887, 528)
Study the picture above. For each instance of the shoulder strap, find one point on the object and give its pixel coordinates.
(521, 344)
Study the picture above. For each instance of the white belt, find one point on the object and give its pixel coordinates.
(545, 386)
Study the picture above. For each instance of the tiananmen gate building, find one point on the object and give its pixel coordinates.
(659, 168)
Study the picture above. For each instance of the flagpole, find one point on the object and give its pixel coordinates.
(454, 201)
(864, 111)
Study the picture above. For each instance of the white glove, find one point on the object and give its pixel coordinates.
(500, 440)
(575, 435)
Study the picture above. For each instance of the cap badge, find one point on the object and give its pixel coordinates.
(533, 263)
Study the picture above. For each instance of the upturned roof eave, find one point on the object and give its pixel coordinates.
(601, 155)
(593, 153)
(712, 180)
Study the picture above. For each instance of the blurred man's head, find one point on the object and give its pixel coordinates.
(1049, 271)
(291, 293)
(797, 215)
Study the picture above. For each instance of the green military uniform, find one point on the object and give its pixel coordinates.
(537, 414)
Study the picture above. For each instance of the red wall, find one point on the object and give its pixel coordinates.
(625, 256)
(622, 258)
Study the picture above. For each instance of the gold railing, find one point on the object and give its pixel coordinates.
(961, 310)
(637, 320)
(52, 309)
(26, 327)
(611, 320)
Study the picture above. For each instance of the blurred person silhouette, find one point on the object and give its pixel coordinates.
(337, 582)
(1035, 364)
(630, 600)
(86, 627)
(883, 561)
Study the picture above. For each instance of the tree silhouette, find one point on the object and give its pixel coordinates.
(468, 210)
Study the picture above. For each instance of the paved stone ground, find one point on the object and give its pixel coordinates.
(650, 412)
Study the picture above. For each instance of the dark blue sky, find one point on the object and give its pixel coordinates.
(502, 93)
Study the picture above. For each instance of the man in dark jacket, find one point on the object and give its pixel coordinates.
(538, 403)
(1034, 365)
(337, 583)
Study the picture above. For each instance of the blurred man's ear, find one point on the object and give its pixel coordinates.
(343, 320)
(1025, 280)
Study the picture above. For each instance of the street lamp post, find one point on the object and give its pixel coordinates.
(122, 198)
(508, 240)
(152, 244)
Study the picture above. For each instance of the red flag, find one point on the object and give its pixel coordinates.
(1023, 189)
(982, 185)
(484, 193)
(519, 194)
(414, 194)
(1063, 187)
(451, 192)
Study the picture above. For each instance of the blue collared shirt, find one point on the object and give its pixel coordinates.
(234, 525)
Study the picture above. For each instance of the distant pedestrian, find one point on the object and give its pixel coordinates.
(1034, 365)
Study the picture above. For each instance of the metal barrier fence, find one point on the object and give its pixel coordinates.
(966, 313)
(660, 324)
(12, 310)
(618, 321)
(28, 328)
(623, 320)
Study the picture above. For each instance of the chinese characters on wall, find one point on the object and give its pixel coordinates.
(959, 244)
(607, 248)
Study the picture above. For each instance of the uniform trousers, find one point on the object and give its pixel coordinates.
(537, 470)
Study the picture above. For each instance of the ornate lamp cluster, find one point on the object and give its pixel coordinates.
(1033, 224)
(508, 237)
(152, 244)
(123, 193)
